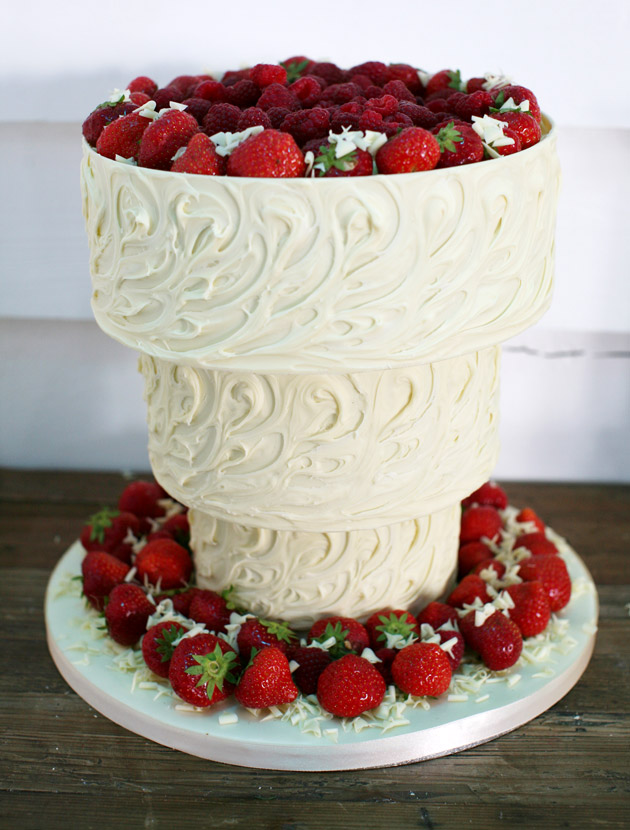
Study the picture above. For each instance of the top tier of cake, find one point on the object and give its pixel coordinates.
(328, 275)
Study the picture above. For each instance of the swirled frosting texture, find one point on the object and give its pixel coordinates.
(339, 275)
(334, 452)
(301, 576)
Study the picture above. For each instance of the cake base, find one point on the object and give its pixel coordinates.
(85, 658)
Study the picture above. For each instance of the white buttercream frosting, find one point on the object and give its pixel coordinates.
(333, 452)
(302, 275)
(302, 576)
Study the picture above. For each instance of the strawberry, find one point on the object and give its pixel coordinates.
(422, 669)
(139, 98)
(270, 154)
(213, 91)
(480, 522)
(470, 588)
(103, 115)
(436, 614)
(108, 529)
(253, 117)
(200, 157)
(470, 555)
(123, 136)
(264, 74)
(386, 657)
(312, 662)
(142, 499)
(474, 85)
(500, 642)
(490, 495)
(412, 150)
(508, 149)
(163, 138)
(518, 94)
(163, 562)
(356, 163)
(535, 543)
(456, 650)
(458, 145)
(349, 634)
(350, 686)
(296, 67)
(478, 103)
(552, 571)
(445, 79)
(211, 609)
(127, 612)
(101, 573)
(142, 84)
(388, 621)
(266, 681)
(158, 648)
(203, 670)
(276, 95)
(528, 515)
(470, 631)
(490, 564)
(525, 126)
(181, 600)
(531, 610)
(178, 528)
(258, 633)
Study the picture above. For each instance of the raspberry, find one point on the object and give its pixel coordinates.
(437, 105)
(421, 116)
(305, 125)
(307, 90)
(371, 120)
(234, 76)
(254, 117)
(376, 71)
(142, 84)
(163, 97)
(185, 83)
(277, 116)
(342, 93)
(400, 119)
(330, 72)
(478, 103)
(264, 74)
(211, 91)
(385, 105)
(407, 74)
(474, 85)
(221, 118)
(197, 107)
(276, 95)
(399, 91)
(243, 94)
(373, 91)
(344, 119)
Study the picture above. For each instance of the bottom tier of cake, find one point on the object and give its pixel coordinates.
(301, 576)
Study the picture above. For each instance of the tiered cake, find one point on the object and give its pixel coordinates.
(321, 361)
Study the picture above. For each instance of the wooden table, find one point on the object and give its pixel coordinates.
(64, 765)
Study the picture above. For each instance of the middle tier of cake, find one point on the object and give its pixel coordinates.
(333, 452)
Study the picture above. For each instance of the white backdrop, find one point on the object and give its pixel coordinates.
(69, 397)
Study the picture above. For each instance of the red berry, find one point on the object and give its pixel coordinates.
(211, 91)
(535, 543)
(446, 80)
(421, 116)
(127, 612)
(519, 94)
(349, 634)
(469, 589)
(178, 528)
(123, 136)
(531, 610)
(312, 662)
(412, 150)
(456, 649)
(163, 138)
(142, 499)
(470, 555)
(330, 72)
(267, 681)
(386, 657)
(499, 642)
(350, 686)
(221, 118)
(142, 84)
(422, 669)
(376, 71)
(306, 125)
(253, 117)
(525, 126)
(355, 163)
(181, 600)
(490, 495)
(508, 149)
(163, 97)
(296, 67)
(185, 83)
(270, 154)
(277, 116)
(108, 529)
(158, 648)
(211, 609)
(203, 670)
(436, 614)
(458, 145)
(399, 91)
(407, 74)
(552, 571)
(264, 74)
(307, 90)
(490, 564)
(101, 573)
(480, 522)
(528, 515)
(242, 94)
(258, 634)
(200, 157)
(198, 108)
(388, 621)
(276, 95)
(103, 115)
(163, 562)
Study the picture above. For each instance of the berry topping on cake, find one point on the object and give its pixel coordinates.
(103, 115)
(470, 555)
(422, 669)
(471, 587)
(497, 639)
(122, 137)
(165, 563)
(110, 530)
(350, 686)
(204, 670)
(535, 543)
(142, 498)
(412, 150)
(163, 138)
(101, 573)
(459, 144)
(158, 645)
(531, 610)
(266, 681)
(489, 494)
(481, 522)
(269, 154)
(552, 571)
(199, 156)
(127, 612)
(355, 163)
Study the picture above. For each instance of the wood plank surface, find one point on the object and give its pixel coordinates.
(64, 765)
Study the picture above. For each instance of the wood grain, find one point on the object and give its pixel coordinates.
(64, 765)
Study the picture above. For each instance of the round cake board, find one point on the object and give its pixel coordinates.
(91, 664)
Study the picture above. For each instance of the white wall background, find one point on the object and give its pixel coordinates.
(70, 397)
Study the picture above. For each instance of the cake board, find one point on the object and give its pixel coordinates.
(92, 665)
